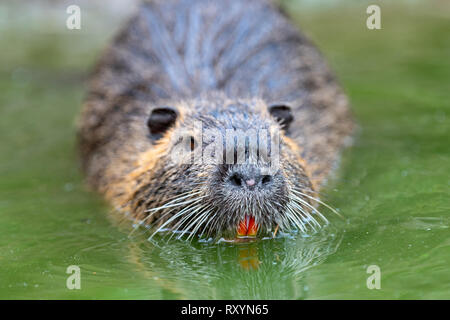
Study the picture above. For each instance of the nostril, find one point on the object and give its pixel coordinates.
(249, 181)
(266, 179)
(236, 180)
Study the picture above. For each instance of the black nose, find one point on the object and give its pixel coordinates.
(249, 180)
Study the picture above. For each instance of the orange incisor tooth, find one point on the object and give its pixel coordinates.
(247, 227)
(241, 229)
(252, 227)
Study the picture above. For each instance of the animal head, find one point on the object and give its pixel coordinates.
(220, 167)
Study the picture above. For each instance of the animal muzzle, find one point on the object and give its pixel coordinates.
(249, 199)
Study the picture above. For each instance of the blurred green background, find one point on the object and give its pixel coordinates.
(393, 186)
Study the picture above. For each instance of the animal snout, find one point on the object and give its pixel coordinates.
(249, 179)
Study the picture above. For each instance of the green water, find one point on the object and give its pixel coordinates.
(393, 186)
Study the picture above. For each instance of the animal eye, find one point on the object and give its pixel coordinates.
(161, 119)
(283, 114)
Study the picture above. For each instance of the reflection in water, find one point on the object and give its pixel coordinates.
(265, 269)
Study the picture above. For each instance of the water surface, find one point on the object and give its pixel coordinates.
(392, 186)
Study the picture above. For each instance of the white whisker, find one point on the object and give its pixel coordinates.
(319, 201)
(171, 204)
(200, 223)
(307, 214)
(178, 214)
(193, 212)
(198, 216)
(292, 217)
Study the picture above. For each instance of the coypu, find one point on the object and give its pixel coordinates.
(228, 65)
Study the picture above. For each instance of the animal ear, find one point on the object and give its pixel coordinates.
(161, 119)
(283, 114)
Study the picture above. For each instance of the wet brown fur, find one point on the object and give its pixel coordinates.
(178, 53)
